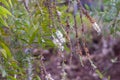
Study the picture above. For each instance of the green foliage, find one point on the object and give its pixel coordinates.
(4, 12)
(5, 50)
(111, 16)
(8, 65)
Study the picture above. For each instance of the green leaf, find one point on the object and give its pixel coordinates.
(10, 2)
(6, 49)
(4, 12)
(33, 36)
(99, 74)
(3, 53)
(2, 21)
(11, 78)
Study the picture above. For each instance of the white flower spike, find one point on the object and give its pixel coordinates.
(59, 41)
(96, 27)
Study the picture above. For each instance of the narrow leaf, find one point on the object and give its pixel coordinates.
(33, 36)
(10, 2)
(4, 12)
(3, 53)
(5, 47)
(2, 21)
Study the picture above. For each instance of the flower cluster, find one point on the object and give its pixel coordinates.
(96, 27)
(48, 77)
(59, 13)
(59, 40)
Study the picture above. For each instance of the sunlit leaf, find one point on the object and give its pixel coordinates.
(3, 53)
(5, 47)
(10, 2)
(4, 12)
